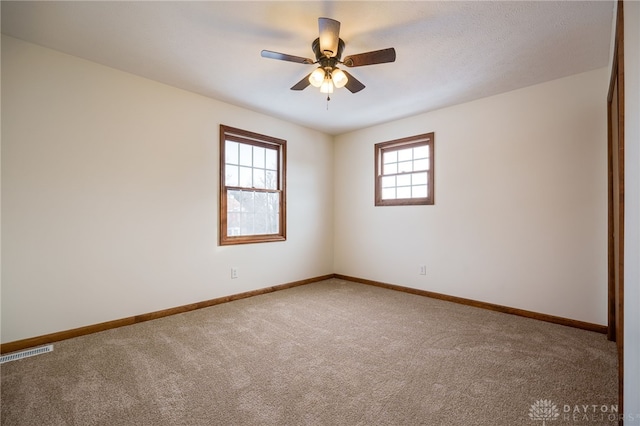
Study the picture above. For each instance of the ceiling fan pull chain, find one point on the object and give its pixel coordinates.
(328, 99)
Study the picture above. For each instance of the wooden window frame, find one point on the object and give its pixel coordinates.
(425, 139)
(255, 139)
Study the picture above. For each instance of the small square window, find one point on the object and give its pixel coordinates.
(404, 171)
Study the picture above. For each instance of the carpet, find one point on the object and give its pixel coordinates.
(327, 353)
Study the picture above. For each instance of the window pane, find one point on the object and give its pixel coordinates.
(260, 202)
(388, 181)
(261, 208)
(390, 169)
(273, 223)
(390, 157)
(246, 177)
(419, 178)
(273, 212)
(404, 192)
(271, 181)
(246, 201)
(405, 154)
(404, 180)
(246, 223)
(234, 217)
(271, 159)
(233, 201)
(231, 152)
(421, 152)
(421, 164)
(406, 166)
(260, 225)
(274, 201)
(233, 224)
(258, 178)
(388, 193)
(419, 191)
(231, 175)
(245, 155)
(258, 157)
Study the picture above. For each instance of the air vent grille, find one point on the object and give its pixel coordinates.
(25, 354)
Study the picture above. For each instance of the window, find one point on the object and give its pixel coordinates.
(404, 171)
(252, 187)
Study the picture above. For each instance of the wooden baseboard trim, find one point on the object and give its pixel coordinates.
(485, 305)
(94, 328)
(81, 331)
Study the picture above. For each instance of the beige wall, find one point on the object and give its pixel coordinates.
(110, 183)
(109, 196)
(520, 212)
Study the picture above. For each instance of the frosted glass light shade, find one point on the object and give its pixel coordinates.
(317, 77)
(339, 78)
(327, 86)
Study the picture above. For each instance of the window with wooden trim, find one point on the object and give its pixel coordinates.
(404, 170)
(252, 187)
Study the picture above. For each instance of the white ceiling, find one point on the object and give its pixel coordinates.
(447, 52)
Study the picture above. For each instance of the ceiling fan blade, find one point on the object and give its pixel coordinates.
(353, 84)
(329, 36)
(284, 57)
(302, 84)
(371, 58)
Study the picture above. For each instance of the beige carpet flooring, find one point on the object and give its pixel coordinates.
(328, 353)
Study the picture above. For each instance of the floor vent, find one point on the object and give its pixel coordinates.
(25, 354)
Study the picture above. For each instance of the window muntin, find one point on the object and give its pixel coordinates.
(404, 171)
(252, 187)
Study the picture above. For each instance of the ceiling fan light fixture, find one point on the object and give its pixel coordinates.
(339, 78)
(327, 85)
(317, 77)
(327, 49)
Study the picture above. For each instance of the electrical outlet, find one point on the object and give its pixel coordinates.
(234, 273)
(423, 270)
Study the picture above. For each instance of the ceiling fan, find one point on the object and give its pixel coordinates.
(328, 52)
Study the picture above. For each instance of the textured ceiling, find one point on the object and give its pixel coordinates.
(447, 52)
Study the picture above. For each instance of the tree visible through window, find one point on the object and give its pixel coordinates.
(252, 187)
(404, 171)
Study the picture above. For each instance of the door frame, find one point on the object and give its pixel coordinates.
(615, 172)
